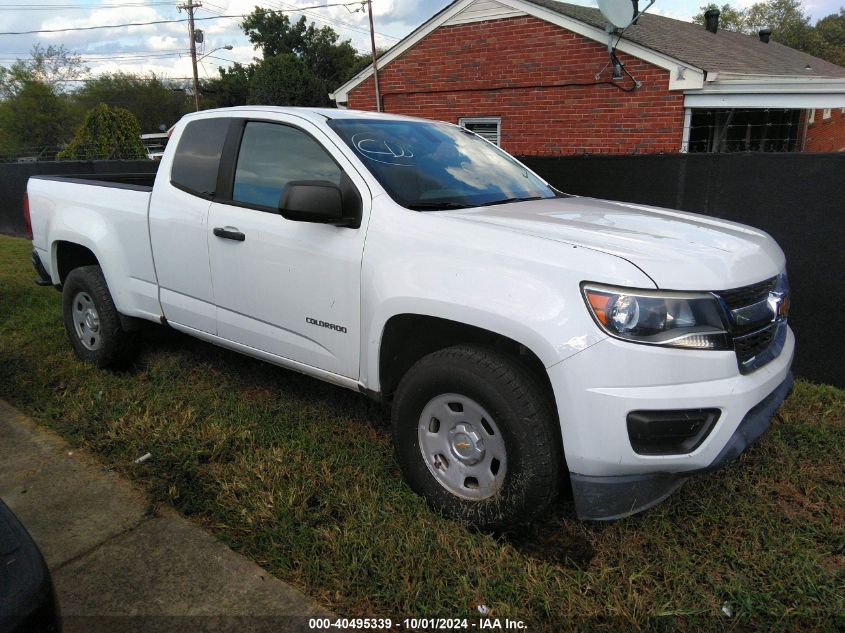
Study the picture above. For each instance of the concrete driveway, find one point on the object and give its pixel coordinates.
(117, 567)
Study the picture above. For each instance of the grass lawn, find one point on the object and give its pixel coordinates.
(299, 476)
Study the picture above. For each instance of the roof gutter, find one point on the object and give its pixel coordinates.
(788, 92)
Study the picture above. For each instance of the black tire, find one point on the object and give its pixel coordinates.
(113, 345)
(522, 412)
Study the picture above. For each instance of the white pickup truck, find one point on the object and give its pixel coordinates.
(527, 339)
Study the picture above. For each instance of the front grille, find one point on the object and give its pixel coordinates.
(758, 333)
(747, 347)
(748, 295)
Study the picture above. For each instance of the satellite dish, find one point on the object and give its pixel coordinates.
(620, 13)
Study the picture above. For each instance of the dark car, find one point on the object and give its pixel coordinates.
(27, 599)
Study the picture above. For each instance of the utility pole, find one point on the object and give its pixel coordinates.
(189, 7)
(375, 60)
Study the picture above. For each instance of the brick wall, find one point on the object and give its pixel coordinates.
(514, 69)
(826, 135)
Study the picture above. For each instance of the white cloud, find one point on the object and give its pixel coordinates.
(393, 19)
(96, 45)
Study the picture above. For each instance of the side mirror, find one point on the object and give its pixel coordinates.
(312, 201)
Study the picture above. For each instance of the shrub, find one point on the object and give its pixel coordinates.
(106, 133)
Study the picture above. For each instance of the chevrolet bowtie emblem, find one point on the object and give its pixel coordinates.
(779, 305)
(462, 445)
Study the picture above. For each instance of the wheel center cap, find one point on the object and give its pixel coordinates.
(92, 321)
(466, 444)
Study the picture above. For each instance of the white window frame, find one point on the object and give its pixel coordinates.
(827, 113)
(463, 121)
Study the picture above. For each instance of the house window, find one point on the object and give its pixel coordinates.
(487, 127)
(744, 130)
(826, 113)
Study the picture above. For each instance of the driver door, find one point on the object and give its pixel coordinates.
(288, 288)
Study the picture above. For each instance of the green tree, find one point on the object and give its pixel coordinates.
(789, 23)
(286, 80)
(230, 89)
(319, 49)
(35, 112)
(34, 118)
(153, 101)
(831, 32)
(106, 133)
(53, 66)
(730, 19)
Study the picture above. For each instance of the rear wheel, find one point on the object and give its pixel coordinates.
(91, 319)
(476, 436)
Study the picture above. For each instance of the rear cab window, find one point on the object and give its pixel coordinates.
(197, 158)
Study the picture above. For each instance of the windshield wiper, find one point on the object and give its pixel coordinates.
(438, 206)
(507, 200)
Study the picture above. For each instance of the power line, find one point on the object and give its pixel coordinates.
(160, 79)
(285, 6)
(280, 7)
(96, 7)
(107, 57)
(94, 60)
(126, 52)
(154, 22)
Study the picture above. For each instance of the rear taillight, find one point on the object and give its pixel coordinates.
(26, 217)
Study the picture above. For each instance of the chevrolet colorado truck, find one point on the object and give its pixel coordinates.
(527, 340)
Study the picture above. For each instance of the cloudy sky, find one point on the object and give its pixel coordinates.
(162, 48)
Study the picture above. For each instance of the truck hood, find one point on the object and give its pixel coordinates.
(678, 250)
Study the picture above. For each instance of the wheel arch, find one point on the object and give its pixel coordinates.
(408, 337)
(67, 256)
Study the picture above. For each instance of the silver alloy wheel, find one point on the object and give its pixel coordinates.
(462, 446)
(86, 320)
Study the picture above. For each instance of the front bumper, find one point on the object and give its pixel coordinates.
(597, 388)
(609, 498)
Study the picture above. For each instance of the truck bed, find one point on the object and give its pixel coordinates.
(106, 213)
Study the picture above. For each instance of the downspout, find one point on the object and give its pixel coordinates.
(685, 134)
(806, 127)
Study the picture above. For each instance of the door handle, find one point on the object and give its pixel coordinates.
(229, 233)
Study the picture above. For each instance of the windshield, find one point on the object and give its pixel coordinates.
(430, 166)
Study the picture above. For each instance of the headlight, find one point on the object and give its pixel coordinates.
(670, 319)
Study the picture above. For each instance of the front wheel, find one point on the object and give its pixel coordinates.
(476, 436)
(92, 320)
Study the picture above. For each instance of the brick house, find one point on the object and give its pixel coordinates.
(533, 76)
(825, 130)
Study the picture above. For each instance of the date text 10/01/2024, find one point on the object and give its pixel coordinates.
(417, 624)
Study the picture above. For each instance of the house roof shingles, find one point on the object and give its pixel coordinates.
(724, 51)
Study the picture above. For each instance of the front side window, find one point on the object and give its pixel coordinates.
(271, 156)
(197, 157)
(429, 166)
